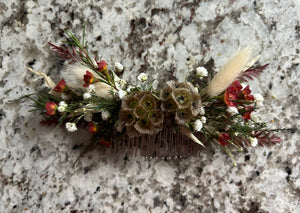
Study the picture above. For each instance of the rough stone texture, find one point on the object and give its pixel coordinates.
(37, 171)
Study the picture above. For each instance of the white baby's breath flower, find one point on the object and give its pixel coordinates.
(198, 125)
(129, 88)
(232, 110)
(202, 111)
(155, 84)
(61, 108)
(105, 115)
(143, 77)
(258, 98)
(120, 84)
(118, 67)
(253, 141)
(91, 88)
(63, 104)
(201, 71)
(203, 119)
(122, 94)
(71, 127)
(87, 95)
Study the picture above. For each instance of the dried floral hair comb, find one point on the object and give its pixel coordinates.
(176, 120)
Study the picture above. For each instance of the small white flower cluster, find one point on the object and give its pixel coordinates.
(122, 94)
(143, 77)
(258, 98)
(198, 124)
(202, 111)
(71, 127)
(118, 67)
(120, 84)
(90, 89)
(105, 115)
(232, 110)
(201, 72)
(87, 95)
(253, 141)
(203, 119)
(62, 106)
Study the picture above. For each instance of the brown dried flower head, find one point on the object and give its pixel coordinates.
(141, 114)
(180, 99)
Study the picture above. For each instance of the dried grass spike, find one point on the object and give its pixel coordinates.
(229, 73)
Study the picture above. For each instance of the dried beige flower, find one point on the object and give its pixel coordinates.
(229, 72)
(141, 114)
(73, 75)
(49, 82)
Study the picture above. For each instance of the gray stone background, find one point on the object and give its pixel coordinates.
(153, 36)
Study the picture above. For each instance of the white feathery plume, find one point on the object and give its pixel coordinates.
(230, 72)
(73, 75)
(102, 89)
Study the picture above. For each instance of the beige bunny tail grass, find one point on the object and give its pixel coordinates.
(229, 72)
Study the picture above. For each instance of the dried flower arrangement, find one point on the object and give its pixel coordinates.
(176, 120)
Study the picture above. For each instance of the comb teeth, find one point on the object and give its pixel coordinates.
(166, 144)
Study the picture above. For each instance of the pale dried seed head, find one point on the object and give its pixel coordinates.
(129, 102)
(148, 102)
(182, 97)
(183, 115)
(144, 126)
(229, 73)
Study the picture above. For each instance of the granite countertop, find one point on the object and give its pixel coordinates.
(163, 37)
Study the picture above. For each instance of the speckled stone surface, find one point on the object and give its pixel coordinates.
(37, 171)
